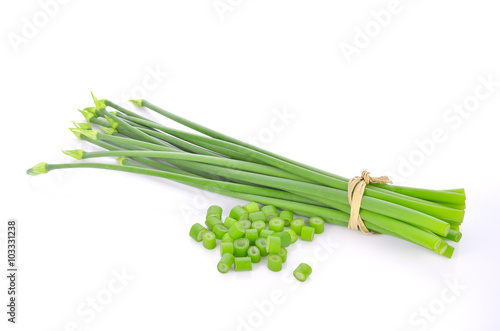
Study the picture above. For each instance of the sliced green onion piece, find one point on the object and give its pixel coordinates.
(246, 224)
(273, 244)
(285, 237)
(269, 212)
(241, 247)
(242, 264)
(209, 240)
(225, 263)
(302, 272)
(261, 243)
(219, 230)
(212, 221)
(287, 216)
(449, 251)
(297, 224)
(274, 262)
(236, 231)
(196, 232)
(214, 211)
(293, 235)
(307, 233)
(266, 233)
(318, 224)
(252, 207)
(226, 247)
(229, 221)
(254, 254)
(238, 213)
(257, 216)
(259, 225)
(282, 253)
(226, 238)
(276, 224)
(251, 235)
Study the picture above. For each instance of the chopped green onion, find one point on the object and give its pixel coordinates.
(226, 247)
(252, 207)
(241, 247)
(285, 237)
(261, 243)
(229, 221)
(282, 253)
(219, 230)
(302, 272)
(238, 213)
(269, 212)
(225, 263)
(209, 240)
(274, 262)
(318, 224)
(257, 216)
(246, 224)
(297, 224)
(226, 238)
(293, 235)
(287, 216)
(259, 225)
(242, 264)
(236, 231)
(273, 244)
(254, 254)
(449, 251)
(276, 224)
(196, 232)
(214, 211)
(251, 235)
(307, 233)
(266, 233)
(212, 221)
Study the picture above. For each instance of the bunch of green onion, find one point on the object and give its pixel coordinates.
(218, 163)
(250, 233)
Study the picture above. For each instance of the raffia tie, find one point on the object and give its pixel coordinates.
(355, 191)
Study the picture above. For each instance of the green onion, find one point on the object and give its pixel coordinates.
(219, 230)
(252, 207)
(317, 223)
(242, 264)
(241, 247)
(297, 224)
(246, 224)
(252, 235)
(274, 262)
(214, 211)
(307, 233)
(273, 244)
(266, 233)
(209, 240)
(257, 216)
(238, 213)
(212, 221)
(259, 226)
(293, 235)
(285, 237)
(282, 253)
(254, 254)
(236, 231)
(269, 212)
(287, 216)
(196, 232)
(229, 221)
(226, 247)
(276, 224)
(226, 238)
(225, 263)
(261, 244)
(302, 272)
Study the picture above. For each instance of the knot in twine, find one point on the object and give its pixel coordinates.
(355, 191)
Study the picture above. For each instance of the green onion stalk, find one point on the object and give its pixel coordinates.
(218, 163)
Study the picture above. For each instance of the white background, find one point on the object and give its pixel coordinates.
(234, 73)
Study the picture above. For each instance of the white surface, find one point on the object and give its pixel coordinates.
(76, 227)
